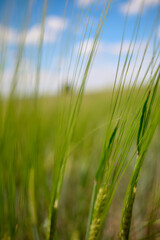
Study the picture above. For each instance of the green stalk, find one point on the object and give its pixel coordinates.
(142, 147)
(32, 204)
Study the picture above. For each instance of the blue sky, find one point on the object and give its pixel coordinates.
(62, 32)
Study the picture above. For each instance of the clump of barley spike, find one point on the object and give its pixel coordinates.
(97, 215)
(143, 132)
(126, 221)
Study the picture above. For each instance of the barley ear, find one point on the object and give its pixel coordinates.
(96, 223)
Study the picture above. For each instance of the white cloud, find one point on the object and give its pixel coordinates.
(158, 32)
(53, 26)
(102, 74)
(114, 48)
(110, 48)
(104, 70)
(49, 80)
(84, 3)
(135, 6)
(105, 65)
(87, 47)
(8, 35)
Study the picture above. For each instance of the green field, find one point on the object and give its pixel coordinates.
(28, 141)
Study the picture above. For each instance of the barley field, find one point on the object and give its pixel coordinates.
(78, 163)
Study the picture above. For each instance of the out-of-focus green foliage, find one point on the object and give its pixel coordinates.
(21, 149)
